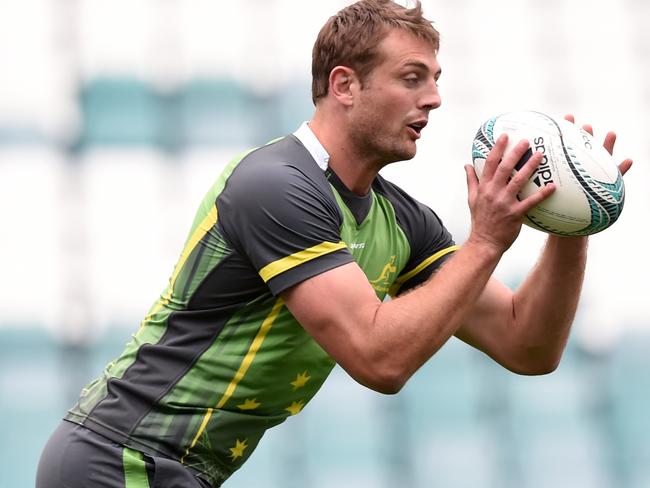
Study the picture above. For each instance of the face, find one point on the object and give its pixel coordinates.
(392, 107)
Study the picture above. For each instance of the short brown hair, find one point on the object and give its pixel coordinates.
(351, 38)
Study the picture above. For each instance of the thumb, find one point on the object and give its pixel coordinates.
(472, 179)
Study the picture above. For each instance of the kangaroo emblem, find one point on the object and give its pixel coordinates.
(382, 283)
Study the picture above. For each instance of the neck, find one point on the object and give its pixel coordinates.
(356, 170)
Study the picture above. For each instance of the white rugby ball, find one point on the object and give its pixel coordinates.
(589, 193)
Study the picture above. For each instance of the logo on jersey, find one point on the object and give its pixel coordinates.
(386, 278)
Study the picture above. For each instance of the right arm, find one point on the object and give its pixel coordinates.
(381, 344)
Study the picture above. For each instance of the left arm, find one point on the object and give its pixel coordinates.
(526, 331)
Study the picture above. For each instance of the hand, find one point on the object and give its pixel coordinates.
(497, 213)
(608, 143)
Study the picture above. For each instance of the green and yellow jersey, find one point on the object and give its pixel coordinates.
(219, 359)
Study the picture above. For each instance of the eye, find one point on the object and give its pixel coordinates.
(412, 80)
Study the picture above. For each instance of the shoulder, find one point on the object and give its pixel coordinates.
(283, 167)
(277, 199)
(278, 157)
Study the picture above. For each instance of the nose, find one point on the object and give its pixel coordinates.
(430, 99)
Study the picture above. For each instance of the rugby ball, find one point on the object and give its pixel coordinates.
(589, 192)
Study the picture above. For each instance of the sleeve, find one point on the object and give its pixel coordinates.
(430, 242)
(283, 218)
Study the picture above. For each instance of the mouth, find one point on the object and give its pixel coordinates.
(416, 127)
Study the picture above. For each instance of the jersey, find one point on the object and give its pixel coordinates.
(219, 359)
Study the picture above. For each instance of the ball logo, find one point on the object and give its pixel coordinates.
(544, 173)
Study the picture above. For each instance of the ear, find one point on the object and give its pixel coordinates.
(343, 84)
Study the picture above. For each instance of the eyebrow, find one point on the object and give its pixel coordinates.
(420, 65)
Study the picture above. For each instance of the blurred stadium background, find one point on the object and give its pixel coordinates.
(116, 116)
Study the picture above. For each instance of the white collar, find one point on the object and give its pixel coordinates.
(313, 145)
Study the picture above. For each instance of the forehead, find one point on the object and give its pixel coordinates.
(400, 48)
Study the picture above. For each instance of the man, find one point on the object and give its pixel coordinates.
(287, 265)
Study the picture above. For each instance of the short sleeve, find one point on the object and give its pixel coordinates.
(431, 246)
(430, 242)
(278, 210)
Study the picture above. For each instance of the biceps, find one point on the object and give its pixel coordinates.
(335, 308)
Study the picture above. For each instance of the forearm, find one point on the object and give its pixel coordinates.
(381, 344)
(421, 321)
(544, 306)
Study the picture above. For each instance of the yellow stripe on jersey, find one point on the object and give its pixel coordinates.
(273, 269)
(404, 278)
(199, 233)
(241, 372)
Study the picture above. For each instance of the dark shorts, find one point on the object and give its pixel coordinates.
(76, 457)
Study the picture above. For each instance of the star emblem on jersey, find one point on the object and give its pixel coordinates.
(238, 450)
(295, 407)
(300, 381)
(249, 404)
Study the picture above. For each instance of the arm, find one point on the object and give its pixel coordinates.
(381, 344)
(527, 331)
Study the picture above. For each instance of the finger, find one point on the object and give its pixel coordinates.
(588, 128)
(495, 155)
(507, 165)
(610, 140)
(524, 174)
(570, 118)
(536, 198)
(625, 166)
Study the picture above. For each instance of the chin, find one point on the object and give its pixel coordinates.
(398, 156)
(413, 153)
(397, 151)
(409, 152)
